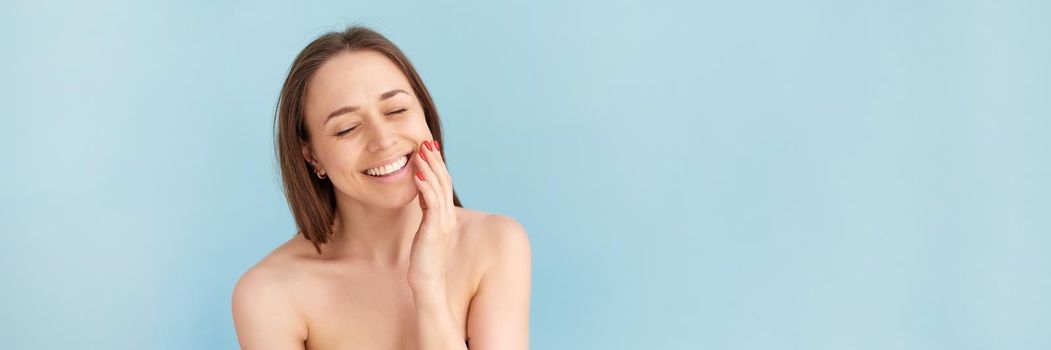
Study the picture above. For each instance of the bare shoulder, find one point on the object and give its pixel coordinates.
(274, 269)
(263, 307)
(493, 235)
(499, 310)
(272, 276)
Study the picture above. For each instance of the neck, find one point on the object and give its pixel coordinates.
(371, 234)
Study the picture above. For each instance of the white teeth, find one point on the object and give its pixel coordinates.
(389, 168)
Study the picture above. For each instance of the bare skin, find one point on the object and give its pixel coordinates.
(407, 270)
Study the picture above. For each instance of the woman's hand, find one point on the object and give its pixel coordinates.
(430, 246)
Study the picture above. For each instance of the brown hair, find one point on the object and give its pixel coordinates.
(312, 200)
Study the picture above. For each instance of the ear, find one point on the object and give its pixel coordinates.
(308, 154)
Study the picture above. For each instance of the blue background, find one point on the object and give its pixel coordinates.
(703, 174)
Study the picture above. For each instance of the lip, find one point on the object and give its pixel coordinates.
(388, 160)
(397, 177)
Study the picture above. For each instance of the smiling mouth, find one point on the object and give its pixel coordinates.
(389, 169)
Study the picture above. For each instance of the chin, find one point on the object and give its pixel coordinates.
(396, 200)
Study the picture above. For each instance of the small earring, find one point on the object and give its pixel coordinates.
(320, 174)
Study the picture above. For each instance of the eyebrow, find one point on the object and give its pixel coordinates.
(349, 109)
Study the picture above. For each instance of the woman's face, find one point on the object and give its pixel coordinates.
(363, 115)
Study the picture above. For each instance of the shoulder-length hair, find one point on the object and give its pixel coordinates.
(312, 200)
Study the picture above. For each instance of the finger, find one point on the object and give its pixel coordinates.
(442, 170)
(432, 157)
(429, 198)
(437, 163)
(430, 180)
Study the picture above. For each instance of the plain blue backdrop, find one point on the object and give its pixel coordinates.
(703, 174)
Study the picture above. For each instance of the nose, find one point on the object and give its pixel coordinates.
(380, 135)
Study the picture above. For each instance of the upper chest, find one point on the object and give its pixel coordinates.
(360, 307)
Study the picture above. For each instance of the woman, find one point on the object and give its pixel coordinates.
(385, 257)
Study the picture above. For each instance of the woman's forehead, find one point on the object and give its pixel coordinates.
(354, 79)
(361, 70)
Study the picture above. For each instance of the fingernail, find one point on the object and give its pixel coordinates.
(421, 156)
(428, 144)
(437, 146)
(419, 176)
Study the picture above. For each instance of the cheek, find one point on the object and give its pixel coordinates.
(419, 128)
(344, 155)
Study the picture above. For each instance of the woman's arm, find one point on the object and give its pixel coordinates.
(499, 312)
(436, 326)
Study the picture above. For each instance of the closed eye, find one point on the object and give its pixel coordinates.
(344, 132)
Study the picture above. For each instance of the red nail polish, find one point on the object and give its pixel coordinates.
(419, 176)
(421, 156)
(428, 144)
(437, 146)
